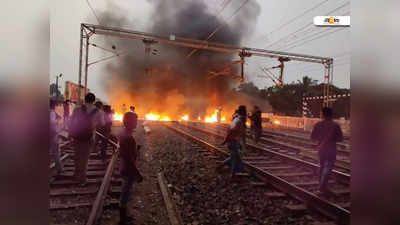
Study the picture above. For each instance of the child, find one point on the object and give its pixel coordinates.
(128, 169)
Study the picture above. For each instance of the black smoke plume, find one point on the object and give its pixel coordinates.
(163, 80)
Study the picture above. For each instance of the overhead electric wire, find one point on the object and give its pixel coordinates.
(318, 37)
(219, 27)
(296, 18)
(308, 24)
(311, 35)
(302, 28)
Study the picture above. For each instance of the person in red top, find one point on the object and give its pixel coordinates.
(128, 153)
(327, 133)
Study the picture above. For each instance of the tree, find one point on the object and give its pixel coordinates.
(287, 99)
(249, 88)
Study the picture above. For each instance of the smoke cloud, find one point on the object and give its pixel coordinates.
(164, 81)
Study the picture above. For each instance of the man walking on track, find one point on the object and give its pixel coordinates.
(84, 121)
(327, 133)
(256, 124)
(129, 153)
(233, 138)
(106, 131)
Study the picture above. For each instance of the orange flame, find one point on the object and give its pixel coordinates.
(276, 122)
(185, 117)
(156, 117)
(118, 116)
(212, 118)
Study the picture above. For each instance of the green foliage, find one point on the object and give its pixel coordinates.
(287, 99)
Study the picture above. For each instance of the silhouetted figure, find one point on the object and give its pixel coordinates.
(106, 131)
(256, 124)
(129, 154)
(219, 112)
(84, 120)
(327, 133)
(123, 108)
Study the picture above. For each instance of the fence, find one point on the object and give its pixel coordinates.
(299, 123)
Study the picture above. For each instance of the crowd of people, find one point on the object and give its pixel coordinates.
(93, 116)
(326, 133)
(81, 127)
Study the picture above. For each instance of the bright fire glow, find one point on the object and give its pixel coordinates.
(223, 119)
(152, 116)
(156, 117)
(185, 117)
(118, 116)
(199, 118)
(164, 118)
(212, 118)
(277, 122)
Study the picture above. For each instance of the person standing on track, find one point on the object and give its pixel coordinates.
(233, 138)
(66, 112)
(123, 108)
(243, 118)
(219, 112)
(129, 153)
(54, 129)
(106, 131)
(256, 126)
(99, 128)
(132, 109)
(327, 133)
(83, 123)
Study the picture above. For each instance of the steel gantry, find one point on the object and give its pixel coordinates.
(87, 30)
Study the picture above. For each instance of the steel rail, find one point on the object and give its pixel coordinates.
(304, 150)
(97, 206)
(340, 176)
(329, 209)
(64, 157)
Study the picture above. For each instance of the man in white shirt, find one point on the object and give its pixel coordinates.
(233, 138)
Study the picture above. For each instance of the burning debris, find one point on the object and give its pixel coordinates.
(174, 84)
(118, 117)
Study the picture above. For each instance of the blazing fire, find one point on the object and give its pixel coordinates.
(152, 116)
(118, 116)
(213, 118)
(185, 117)
(164, 118)
(156, 117)
(276, 122)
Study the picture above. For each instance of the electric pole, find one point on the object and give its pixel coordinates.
(59, 76)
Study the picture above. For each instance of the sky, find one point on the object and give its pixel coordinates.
(282, 25)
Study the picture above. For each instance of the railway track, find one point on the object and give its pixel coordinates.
(70, 203)
(295, 177)
(299, 147)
